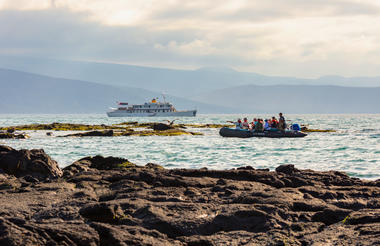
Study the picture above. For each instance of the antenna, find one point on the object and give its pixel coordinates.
(163, 96)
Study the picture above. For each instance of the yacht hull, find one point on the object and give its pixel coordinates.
(121, 113)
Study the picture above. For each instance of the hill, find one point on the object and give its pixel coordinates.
(297, 99)
(180, 83)
(31, 93)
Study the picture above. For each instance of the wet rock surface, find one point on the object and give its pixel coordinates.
(131, 132)
(106, 133)
(104, 201)
(13, 135)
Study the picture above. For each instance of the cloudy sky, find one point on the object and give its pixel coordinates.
(304, 38)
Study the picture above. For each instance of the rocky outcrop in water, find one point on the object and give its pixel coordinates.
(121, 126)
(24, 162)
(60, 127)
(12, 135)
(110, 201)
(161, 127)
(106, 133)
(131, 132)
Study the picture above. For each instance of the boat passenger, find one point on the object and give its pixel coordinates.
(238, 124)
(254, 121)
(259, 126)
(282, 121)
(267, 125)
(252, 127)
(245, 123)
(274, 122)
(295, 127)
(281, 126)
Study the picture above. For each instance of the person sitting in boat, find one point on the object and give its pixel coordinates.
(253, 123)
(259, 127)
(245, 123)
(267, 125)
(295, 127)
(274, 122)
(238, 124)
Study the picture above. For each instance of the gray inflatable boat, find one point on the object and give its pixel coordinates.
(242, 133)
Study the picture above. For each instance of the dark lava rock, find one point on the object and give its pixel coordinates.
(98, 203)
(245, 168)
(106, 133)
(287, 169)
(161, 127)
(101, 163)
(24, 162)
(13, 135)
(102, 212)
(11, 130)
(154, 166)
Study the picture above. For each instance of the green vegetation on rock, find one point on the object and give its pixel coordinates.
(110, 133)
(122, 129)
(61, 127)
(206, 125)
(151, 124)
(317, 130)
(126, 164)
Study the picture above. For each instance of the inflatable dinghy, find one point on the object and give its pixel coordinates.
(242, 133)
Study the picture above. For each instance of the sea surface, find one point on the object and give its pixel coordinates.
(354, 148)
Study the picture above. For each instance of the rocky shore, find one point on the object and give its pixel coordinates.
(157, 126)
(117, 130)
(111, 201)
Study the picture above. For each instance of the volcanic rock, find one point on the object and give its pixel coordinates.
(106, 133)
(99, 201)
(24, 162)
(13, 135)
(161, 127)
(288, 169)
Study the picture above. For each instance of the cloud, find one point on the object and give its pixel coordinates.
(272, 37)
(266, 11)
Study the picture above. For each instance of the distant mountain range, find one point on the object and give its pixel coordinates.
(181, 83)
(79, 87)
(297, 99)
(31, 93)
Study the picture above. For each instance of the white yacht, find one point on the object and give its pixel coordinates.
(151, 109)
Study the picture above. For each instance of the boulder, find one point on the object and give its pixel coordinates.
(11, 130)
(161, 127)
(287, 169)
(24, 162)
(99, 162)
(13, 135)
(106, 133)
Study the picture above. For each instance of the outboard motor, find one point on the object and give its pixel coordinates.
(295, 127)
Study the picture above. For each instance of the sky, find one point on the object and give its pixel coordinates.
(301, 38)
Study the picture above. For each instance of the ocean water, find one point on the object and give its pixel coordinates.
(354, 148)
